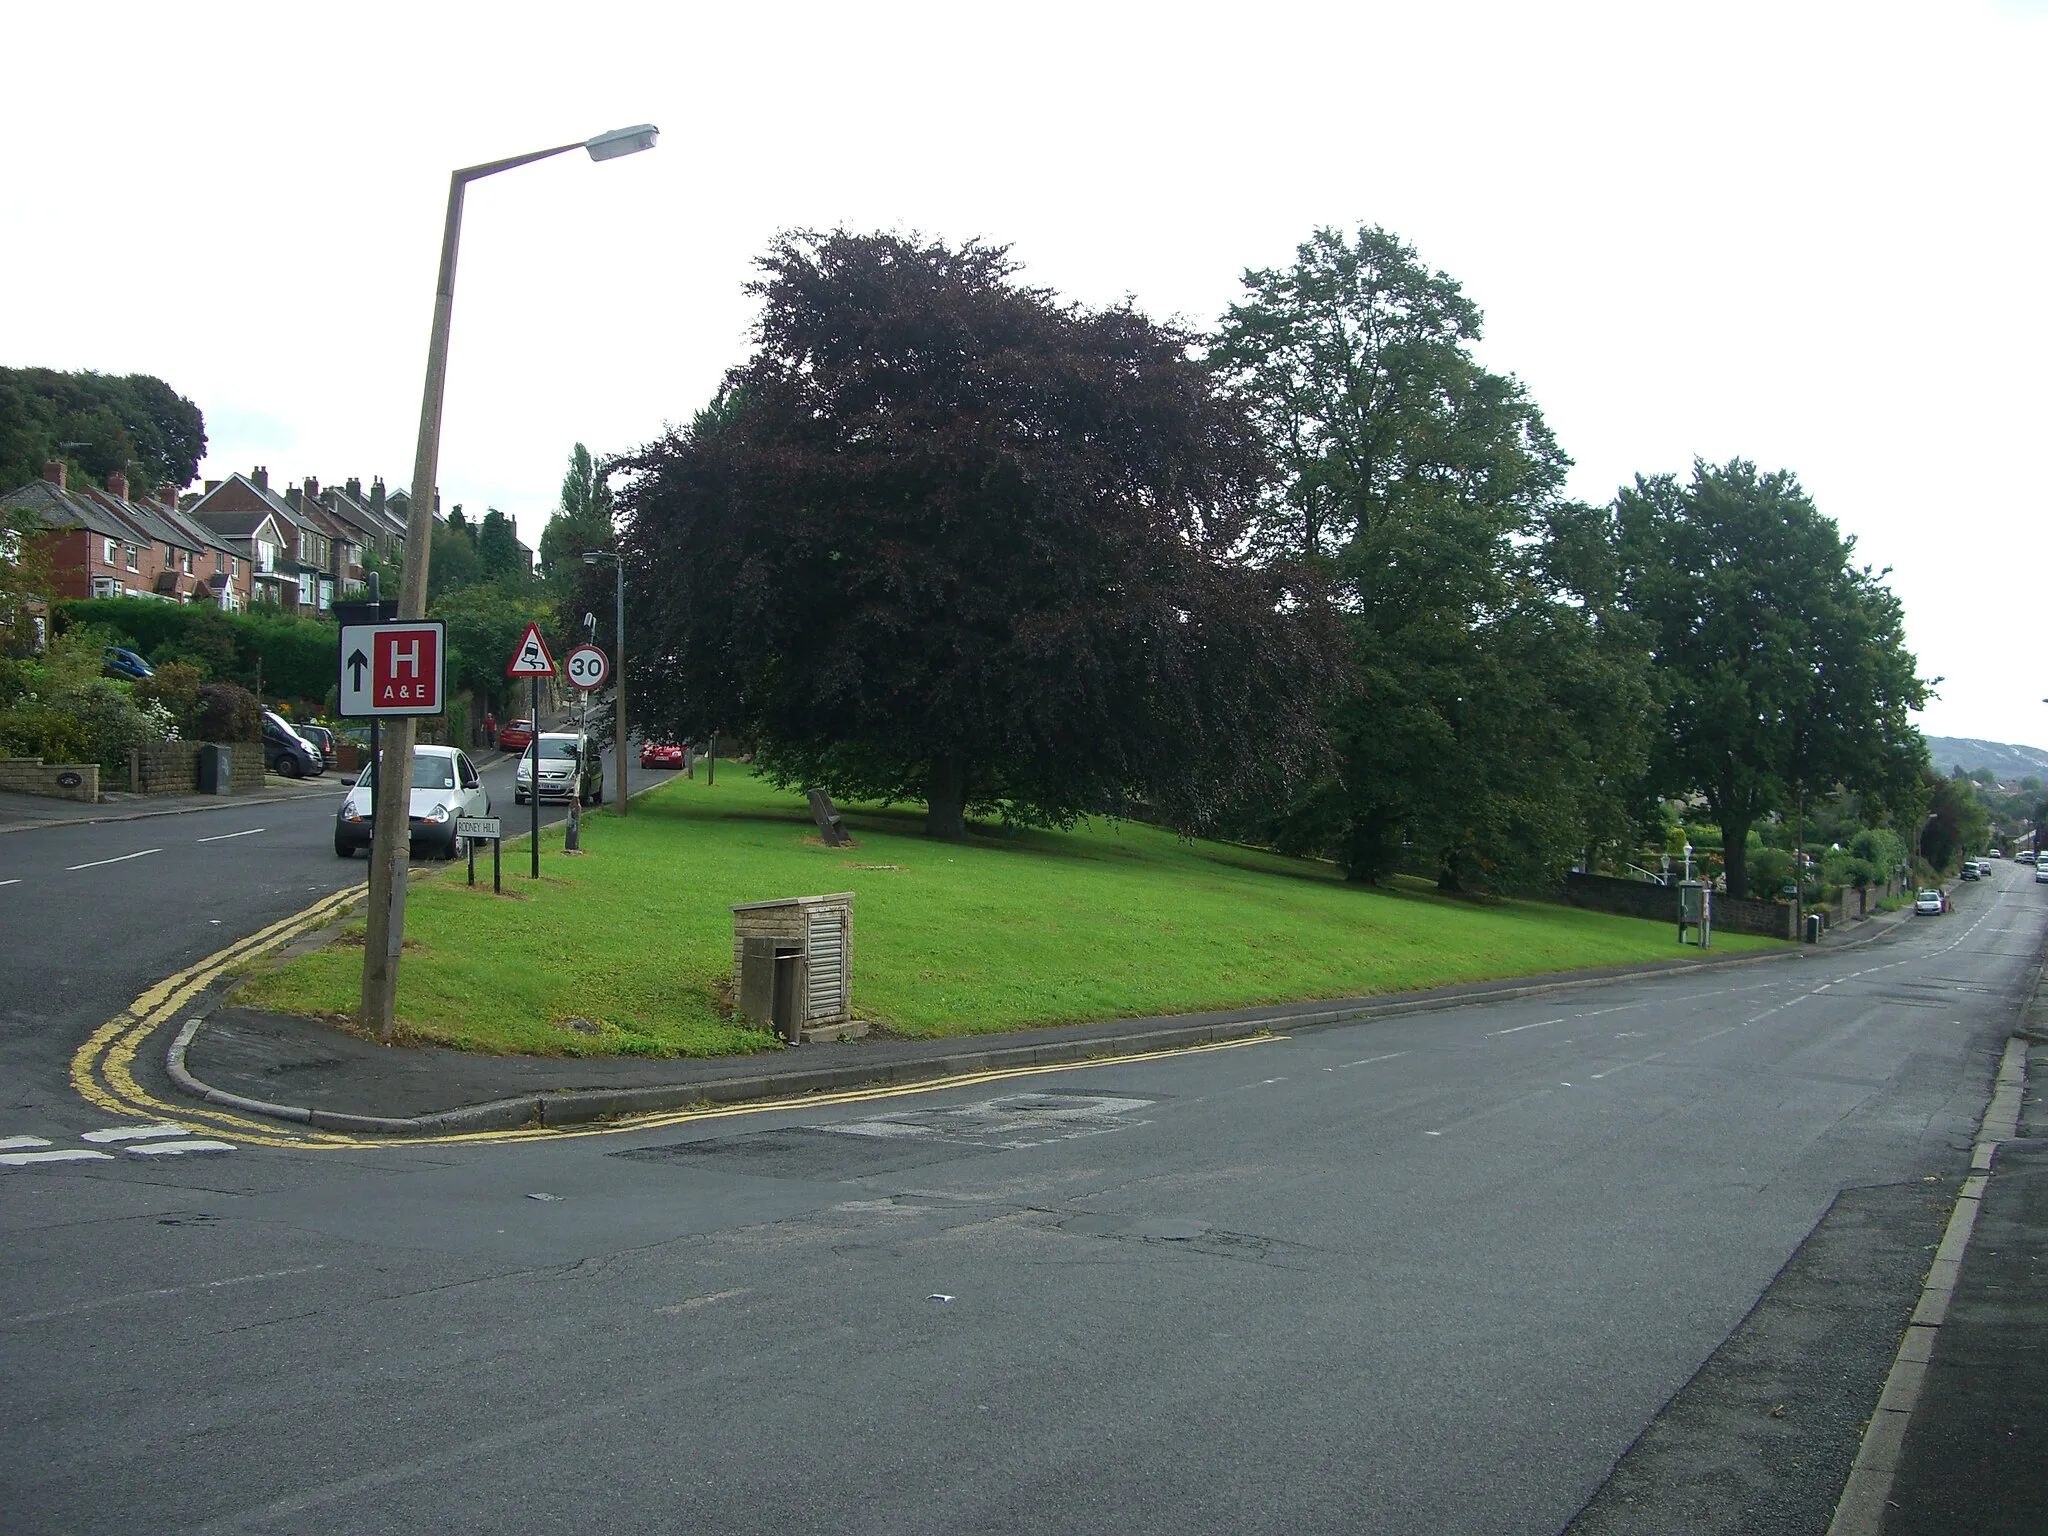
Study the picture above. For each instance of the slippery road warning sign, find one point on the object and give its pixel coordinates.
(393, 669)
(532, 658)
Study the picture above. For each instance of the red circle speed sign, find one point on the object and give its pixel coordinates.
(588, 667)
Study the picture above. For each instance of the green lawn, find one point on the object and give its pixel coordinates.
(996, 933)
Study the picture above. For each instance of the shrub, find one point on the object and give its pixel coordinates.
(174, 689)
(30, 728)
(228, 713)
(112, 722)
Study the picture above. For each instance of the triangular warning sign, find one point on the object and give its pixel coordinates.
(532, 658)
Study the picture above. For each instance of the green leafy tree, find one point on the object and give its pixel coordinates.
(498, 556)
(453, 560)
(1782, 664)
(97, 423)
(946, 538)
(1489, 729)
(583, 522)
(485, 623)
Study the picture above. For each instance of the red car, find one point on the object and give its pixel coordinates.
(515, 735)
(660, 754)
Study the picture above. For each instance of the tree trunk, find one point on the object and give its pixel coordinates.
(1735, 856)
(946, 798)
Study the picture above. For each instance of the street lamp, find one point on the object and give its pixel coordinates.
(391, 835)
(599, 557)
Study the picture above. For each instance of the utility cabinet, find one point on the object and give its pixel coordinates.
(792, 964)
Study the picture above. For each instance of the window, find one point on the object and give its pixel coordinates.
(106, 586)
(112, 557)
(171, 556)
(134, 558)
(188, 562)
(219, 562)
(234, 565)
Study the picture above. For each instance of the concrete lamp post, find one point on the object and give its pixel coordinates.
(600, 557)
(391, 835)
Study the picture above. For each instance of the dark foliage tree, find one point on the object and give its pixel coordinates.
(946, 538)
(497, 549)
(1957, 825)
(1782, 663)
(1488, 732)
(582, 522)
(454, 560)
(97, 423)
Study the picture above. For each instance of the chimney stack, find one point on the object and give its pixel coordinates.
(355, 488)
(291, 498)
(261, 477)
(55, 473)
(117, 485)
(377, 494)
(312, 489)
(167, 493)
(212, 486)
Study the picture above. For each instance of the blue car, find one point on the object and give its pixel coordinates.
(123, 662)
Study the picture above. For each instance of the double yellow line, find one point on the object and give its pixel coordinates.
(103, 1068)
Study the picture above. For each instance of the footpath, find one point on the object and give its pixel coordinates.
(1974, 1455)
(19, 813)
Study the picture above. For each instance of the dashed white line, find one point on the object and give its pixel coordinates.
(1520, 1027)
(123, 859)
(221, 837)
(65, 1155)
(15, 881)
(1369, 1060)
(177, 1148)
(134, 1133)
(167, 1290)
(17, 1143)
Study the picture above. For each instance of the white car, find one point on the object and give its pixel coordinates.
(2040, 873)
(445, 786)
(1928, 904)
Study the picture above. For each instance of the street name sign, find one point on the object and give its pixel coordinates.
(393, 669)
(588, 667)
(483, 828)
(532, 658)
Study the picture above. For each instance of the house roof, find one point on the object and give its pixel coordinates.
(55, 508)
(179, 518)
(142, 517)
(241, 525)
(238, 493)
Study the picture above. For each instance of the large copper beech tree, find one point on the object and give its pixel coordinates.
(945, 538)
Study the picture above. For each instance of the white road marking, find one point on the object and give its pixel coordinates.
(16, 1143)
(221, 837)
(167, 1290)
(701, 1301)
(29, 1159)
(15, 881)
(123, 859)
(1369, 1060)
(1520, 1027)
(1626, 1065)
(134, 1133)
(176, 1148)
(1432, 1133)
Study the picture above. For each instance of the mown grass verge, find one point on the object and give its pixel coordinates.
(999, 932)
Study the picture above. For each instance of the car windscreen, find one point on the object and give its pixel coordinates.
(557, 748)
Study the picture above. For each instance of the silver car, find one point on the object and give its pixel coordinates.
(568, 770)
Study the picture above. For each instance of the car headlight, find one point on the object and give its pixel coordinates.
(350, 813)
(438, 814)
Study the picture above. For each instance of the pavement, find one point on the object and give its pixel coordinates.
(20, 813)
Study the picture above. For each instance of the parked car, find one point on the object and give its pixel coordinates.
(1928, 904)
(660, 754)
(288, 754)
(123, 662)
(568, 770)
(445, 786)
(2040, 872)
(322, 738)
(1969, 869)
(515, 736)
(2025, 856)
(1997, 853)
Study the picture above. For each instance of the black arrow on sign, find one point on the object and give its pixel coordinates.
(356, 662)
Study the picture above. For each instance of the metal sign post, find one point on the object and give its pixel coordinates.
(481, 829)
(532, 661)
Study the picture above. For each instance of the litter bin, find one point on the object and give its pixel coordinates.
(216, 769)
(1813, 927)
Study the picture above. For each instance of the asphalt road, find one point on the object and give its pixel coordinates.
(94, 914)
(1432, 1274)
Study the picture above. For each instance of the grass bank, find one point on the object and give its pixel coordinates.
(1001, 931)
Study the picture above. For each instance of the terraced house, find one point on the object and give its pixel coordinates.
(105, 542)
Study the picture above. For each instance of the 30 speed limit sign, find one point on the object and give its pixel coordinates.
(588, 667)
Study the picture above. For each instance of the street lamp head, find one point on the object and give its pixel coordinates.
(622, 141)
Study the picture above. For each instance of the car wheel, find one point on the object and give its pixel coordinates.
(457, 847)
(343, 849)
(287, 766)
(518, 798)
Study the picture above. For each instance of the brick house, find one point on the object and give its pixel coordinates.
(287, 556)
(101, 542)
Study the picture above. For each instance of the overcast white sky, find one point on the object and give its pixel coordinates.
(1807, 234)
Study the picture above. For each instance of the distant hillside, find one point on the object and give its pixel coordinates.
(2009, 762)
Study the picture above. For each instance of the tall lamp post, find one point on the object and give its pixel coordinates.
(600, 557)
(390, 834)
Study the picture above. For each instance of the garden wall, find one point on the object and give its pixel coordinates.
(172, 768)
(33, 776)
(1640, 898)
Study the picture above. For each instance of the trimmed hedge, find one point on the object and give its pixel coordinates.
(292, 657)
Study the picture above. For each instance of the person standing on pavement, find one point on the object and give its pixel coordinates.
(490, 729)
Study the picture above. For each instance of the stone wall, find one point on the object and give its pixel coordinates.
(61, 781)
(1641, 898)
(172, 767)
